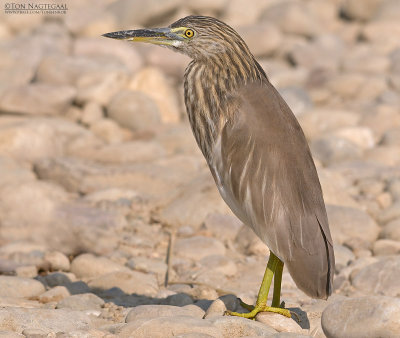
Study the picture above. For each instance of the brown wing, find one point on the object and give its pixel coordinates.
(266, 174)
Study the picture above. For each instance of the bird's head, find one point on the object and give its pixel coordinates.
(195, 36)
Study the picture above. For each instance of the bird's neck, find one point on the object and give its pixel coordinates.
(209, 89)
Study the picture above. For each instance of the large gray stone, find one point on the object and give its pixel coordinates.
(380, 278)
(369, 317)
(350, 223)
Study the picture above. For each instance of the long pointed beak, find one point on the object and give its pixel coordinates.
(159, 36)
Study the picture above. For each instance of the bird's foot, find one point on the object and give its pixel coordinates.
(256, 309)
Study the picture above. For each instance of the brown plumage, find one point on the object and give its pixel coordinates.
(254, 146)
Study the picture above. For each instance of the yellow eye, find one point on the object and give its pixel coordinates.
(189, 33)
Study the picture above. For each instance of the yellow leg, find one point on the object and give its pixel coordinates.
(274, 265)
(276, 300)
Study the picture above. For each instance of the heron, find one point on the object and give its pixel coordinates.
(256, 151)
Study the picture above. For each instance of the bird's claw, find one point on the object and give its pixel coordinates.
(257, 309)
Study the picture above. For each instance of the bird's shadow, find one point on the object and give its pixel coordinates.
(120, 298)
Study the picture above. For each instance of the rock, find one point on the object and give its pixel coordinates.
(29, 205)
(391, 137)
(353, 9)
(138, 13)
(152, 82)
(149, 265)
(28, 271)
(155, 311)
(362, 137)
(379, 278)
(292, 18)
(332, 149)
(343, 257)
(235, 326)
(14, 172)
(298, 99)
(264, 47)
(386, 247)
(336, 188)
(383, 155)
(195, 202)
(93, 47)
(135, 151)
(389, 214)
(59, 278)
(88, 265)
(57, 261)
(179, 299)
(67, 70)
(207, 6)
(375, 31)
(346, 223)
(134, 110)
(20, 287)
(219, 306)
(89, 229)
(391, 230)
(387, 11)
(219, 263)
(108, 130)
(31, 139)
(371, 316)
(167, 326)
(323, 53)
(30, 99)
(238, 13)
(127, 281)
(54, 295)
(155, 179)
(100, 86)
(248, 243)
(92, 112)
(376, 119)
(198, 247)
(224, 227)
(11, 334)
(48, 320)
(364, 60)
(318, 122)
(82, 302)
(278, 322)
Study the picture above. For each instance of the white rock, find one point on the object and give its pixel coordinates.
(11, 286)
(198, 247)
(88, 265)
(155, 311)
(167, 326)
(57, 261)
(373, 316)
(50, 321)
(128, 281)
